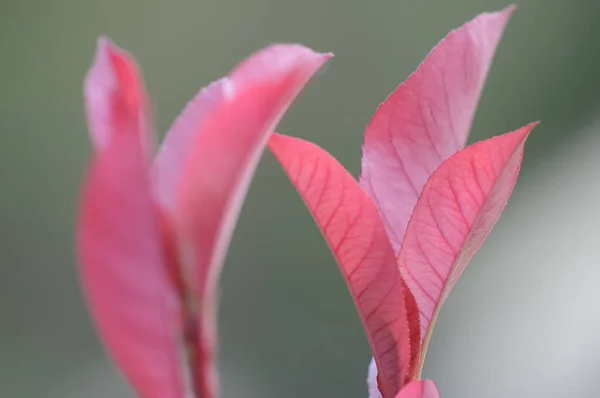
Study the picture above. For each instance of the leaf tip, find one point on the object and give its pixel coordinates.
(526, 130)
(113, 89)
(104, 44)
(510, 9)
(504, 14)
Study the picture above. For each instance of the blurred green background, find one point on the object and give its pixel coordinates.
(521, 323)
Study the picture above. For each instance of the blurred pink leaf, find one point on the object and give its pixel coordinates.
(354, 232)
(119, 241)
(459, 205)
(413, 389)
(223, 151)
(166, 168)
(151, 239)
(427, 119)
(419, 389)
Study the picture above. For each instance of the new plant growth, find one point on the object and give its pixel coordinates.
(154, 229)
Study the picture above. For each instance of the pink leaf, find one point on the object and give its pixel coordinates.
(220, 149)
(427, 119)
(167, 165)
(419, 389)
(355, 234)
(122, 264)
(276, 59)
(115, 99)
(459, 205)
(413, 389)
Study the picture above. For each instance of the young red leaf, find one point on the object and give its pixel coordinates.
(419, 389)
(355, 234)
(221, 148)
(119, 241)
(166, 168)
(427, 119)
(273, 60)
(459, 205)
(115, 99)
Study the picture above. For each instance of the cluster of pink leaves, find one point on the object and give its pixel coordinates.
(153, 230)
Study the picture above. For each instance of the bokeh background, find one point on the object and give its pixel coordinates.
(523, 321)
